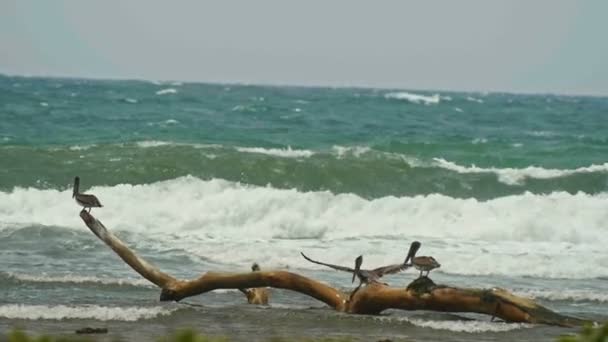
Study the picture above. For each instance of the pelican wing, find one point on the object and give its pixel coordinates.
(390, 269)
(335, 267)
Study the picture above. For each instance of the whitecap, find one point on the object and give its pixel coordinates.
(166, 91)
(277, 152)
(514, 176)
(152, 143)
(356, 151)
(414, 98)
(472, 99)
(81, 147)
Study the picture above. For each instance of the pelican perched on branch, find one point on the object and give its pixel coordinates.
(257, 295)
(421, 263)
(85, 200)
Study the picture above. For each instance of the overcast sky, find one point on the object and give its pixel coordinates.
(558, 46)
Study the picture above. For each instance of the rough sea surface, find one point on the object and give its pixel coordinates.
(503, 190)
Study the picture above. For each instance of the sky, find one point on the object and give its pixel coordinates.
(540, 46)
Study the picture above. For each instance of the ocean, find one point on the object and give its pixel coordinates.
(504, 190)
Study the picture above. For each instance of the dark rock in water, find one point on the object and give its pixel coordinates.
(89, 330)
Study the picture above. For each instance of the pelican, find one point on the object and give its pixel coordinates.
(257, 295)
(85, 200)
(421, 263)
(365, 276)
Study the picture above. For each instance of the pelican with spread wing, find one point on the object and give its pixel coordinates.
(365, 276)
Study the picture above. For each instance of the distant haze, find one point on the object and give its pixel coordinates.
(553, 46)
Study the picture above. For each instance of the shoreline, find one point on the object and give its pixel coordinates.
(253, 323)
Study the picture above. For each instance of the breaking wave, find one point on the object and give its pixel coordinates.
(513, 176)
(468, 236)
(77, 279)
(97, 312)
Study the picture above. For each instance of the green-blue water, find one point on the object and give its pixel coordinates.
(201, 177)
(369, 142)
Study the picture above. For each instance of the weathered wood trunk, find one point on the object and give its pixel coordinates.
(421, 294)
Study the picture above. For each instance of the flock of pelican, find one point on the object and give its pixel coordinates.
(421, 263)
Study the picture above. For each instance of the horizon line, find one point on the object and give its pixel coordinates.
(297, 85)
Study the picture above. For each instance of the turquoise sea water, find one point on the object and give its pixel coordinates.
(504, 190)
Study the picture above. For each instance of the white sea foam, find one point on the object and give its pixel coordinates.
(414, 98)
(81, 147)
(472, 99)
(166, 91)
(359, 151)
(468, 326)
(160, 143)
(130, 100)
(278, 152)
(513, 176)
(542, 133)
(79, 279)
(550, 232)
(152, 143)
(575, 295)
(356, 151)
(97, 312)
(44, 104)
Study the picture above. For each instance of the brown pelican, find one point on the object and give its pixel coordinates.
(257, 295)
(85, 200)
(421, 263)
(365, 276)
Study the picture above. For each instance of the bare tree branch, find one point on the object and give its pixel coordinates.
(421, 294)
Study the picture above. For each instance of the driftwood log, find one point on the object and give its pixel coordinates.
(421, 294)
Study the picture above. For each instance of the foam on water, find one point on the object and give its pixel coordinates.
(472, 99)
(277, 152)
(414, 98)
(573, 295)
(469, 326)
(467, 236)
(513, 176)
(356, 151)
(166, 91)
(97, 312)
(78, 279)
(152, 143)
(81, 147)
